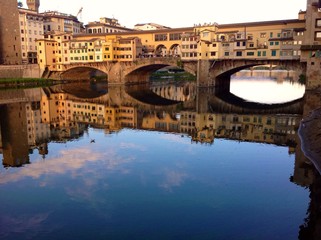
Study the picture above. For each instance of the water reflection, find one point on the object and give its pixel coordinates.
(65, 114)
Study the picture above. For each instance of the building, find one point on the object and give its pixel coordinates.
(60, 22)
(149, 26)
(53, 51)
(279, 39)
(31, 29)
(311, 48)
(105, 25)
(10, 45)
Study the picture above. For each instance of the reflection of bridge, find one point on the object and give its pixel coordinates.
(150, 98)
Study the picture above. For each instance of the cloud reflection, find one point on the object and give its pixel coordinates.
(68, 161)
(173, 179)
(22, 224)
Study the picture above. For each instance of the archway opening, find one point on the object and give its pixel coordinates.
(267, 84)
(84, 74)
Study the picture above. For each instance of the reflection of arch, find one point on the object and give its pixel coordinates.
(161, 51)
(83, 90)
(145, 95)
(225, 102)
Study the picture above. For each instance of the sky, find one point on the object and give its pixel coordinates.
(177, 13)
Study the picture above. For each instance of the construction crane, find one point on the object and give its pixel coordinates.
(80, 13)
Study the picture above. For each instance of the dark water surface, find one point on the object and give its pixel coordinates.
(133, 170)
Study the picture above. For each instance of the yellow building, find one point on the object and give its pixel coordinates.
(254, 40)
(280, 40)
(53, 51)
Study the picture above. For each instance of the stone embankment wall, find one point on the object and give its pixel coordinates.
(20, 71)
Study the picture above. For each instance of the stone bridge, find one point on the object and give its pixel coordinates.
(217, 73)
(121, 72)
(209, 73)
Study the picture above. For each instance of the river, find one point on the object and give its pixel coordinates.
(159, 161)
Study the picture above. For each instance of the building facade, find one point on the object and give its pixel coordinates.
(60, 22)
(31, 29)
(311, 48)
(105, 25)
(149, 26)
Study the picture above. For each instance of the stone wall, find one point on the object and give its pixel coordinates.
(20, 71)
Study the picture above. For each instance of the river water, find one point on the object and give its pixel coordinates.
(169, 161)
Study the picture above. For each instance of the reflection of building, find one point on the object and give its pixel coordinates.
(277, 129)
(38, 132)
(161, 122)
(14, 135)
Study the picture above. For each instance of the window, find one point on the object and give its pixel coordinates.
(239, 54)
(317, 35)
(160, 37)
(273, 53)
(263, 35)
(318, 22)
(174, 36)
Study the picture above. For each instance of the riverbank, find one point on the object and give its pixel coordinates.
(310, 135)
(10, 83)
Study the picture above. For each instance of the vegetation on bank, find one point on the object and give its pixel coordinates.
(25, 82)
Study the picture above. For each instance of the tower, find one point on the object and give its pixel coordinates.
(33, 5)
(10, 41)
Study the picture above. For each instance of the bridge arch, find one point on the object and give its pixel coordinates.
(83, 73)
(175, 50)
(161, 51)
(221, 71)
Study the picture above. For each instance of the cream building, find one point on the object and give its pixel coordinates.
(60, 22)
(149, 26)
(105, 25)
(31, 29)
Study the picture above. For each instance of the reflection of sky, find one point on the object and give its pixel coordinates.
(266, 90)
(131, 182)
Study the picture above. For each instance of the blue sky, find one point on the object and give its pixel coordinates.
(178, 13)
